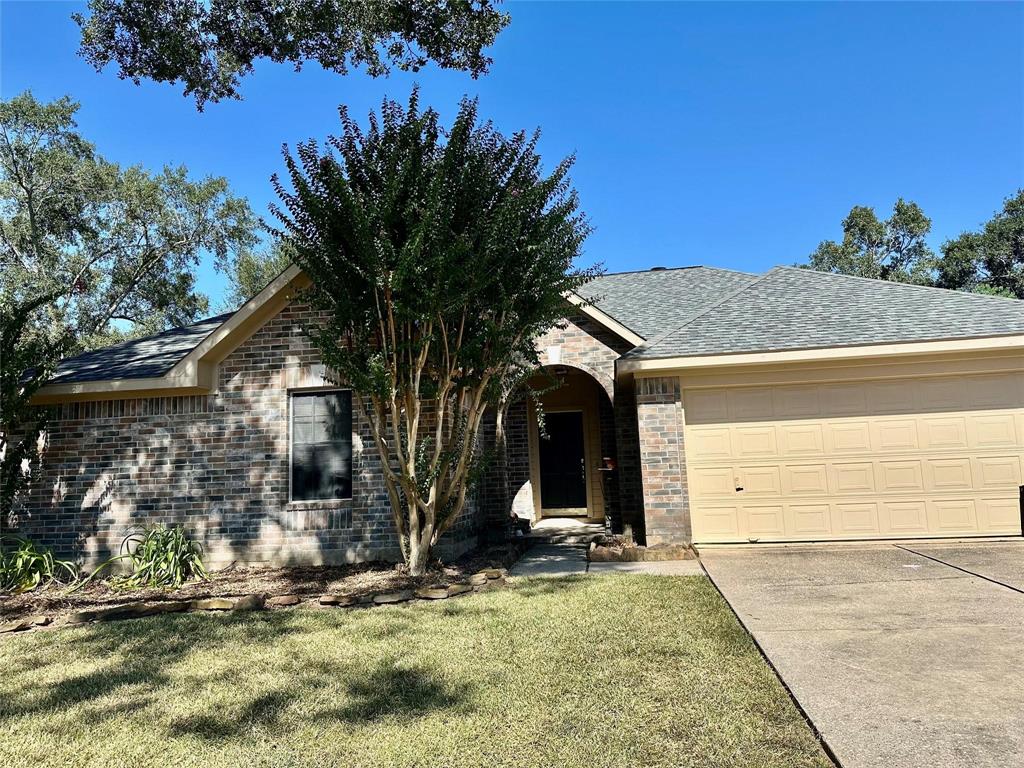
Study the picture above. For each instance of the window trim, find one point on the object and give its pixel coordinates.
(291, 444)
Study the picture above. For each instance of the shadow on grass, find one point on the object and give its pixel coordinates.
(128, 667)
(264, 710)
(391, 690)
(145, 650)
(394, 690)
(146, 657)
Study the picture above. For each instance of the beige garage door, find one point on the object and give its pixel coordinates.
(920, 457)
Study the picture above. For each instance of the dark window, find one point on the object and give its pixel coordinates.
(321, 445)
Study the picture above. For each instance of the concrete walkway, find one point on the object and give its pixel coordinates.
(654, 568)
(561, 559)
(561, 550)
(903, 656)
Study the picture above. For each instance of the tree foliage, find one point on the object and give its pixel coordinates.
(90, 252)
(253, 270)
(991, 260)
(436, 258)
(891, 249)
(210, 45)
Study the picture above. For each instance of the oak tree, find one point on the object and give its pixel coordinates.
(209, 45)
(90, 253)
(891, 249)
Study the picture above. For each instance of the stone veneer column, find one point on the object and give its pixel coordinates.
(666, 500)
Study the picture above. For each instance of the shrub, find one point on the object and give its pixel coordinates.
(25, 565)
(159, 557)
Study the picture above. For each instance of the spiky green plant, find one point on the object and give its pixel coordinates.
(24, 565)
(159, 556)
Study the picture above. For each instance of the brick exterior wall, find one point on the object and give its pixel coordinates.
(218, 464)
(663, 460)
(518, 496)
(587, 346)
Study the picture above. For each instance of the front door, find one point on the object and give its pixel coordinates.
(563, 469)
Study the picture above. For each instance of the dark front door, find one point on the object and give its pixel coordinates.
(563, 472)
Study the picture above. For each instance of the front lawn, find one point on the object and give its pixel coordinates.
(583, 671)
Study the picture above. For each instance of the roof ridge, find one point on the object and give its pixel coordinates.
(675, 269)
(709, 308)
(877, 280)
(650, 269)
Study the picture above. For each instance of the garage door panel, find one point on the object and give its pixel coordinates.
(796, 402)
(852, 478)
(719, 523)
(901, 476)
(890, 435)
(997, 430)
(805, 521)
(904, 518)
(713, 482)
(885, 397)
(996, 391)
(949, 474)
(856, 518)
(805, 480)
(755, 441)
(764, 520)
(953, 516)
(848, 437)
(998, 514)
(801, 439)
(706, 406)
(998, 471)
(938, 456)
(712, 442)
(760, 481)
(844, 399)
(754, 404)
(944, 432)
(944, 394)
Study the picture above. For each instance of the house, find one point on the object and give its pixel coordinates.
(698, 405)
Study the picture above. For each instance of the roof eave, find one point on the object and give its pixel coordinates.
(654, 365)
(195, 373)
(603, 319)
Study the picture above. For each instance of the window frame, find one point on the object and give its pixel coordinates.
(292, 393)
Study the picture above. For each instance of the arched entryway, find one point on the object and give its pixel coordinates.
(570, 441)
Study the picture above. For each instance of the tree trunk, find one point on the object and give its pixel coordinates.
(503, 531)
(419, 554)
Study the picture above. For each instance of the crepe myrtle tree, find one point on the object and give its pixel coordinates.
(436, 258)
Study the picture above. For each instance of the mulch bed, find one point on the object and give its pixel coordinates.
(362, 581)
(608, 548)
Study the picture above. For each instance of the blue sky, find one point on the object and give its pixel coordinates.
(727, 134)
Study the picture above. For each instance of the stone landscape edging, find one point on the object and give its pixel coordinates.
(489, 578)
(598, 553)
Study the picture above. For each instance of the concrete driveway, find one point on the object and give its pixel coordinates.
(901, 655)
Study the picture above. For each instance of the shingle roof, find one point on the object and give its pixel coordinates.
(652, 302)
(792, 308)
(685, 312)
(139, 358)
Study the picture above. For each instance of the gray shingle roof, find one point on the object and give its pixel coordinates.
(791, 308)
(650, 303)
(139, 358)
(685, 312)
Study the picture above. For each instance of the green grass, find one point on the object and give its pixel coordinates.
(591, 671)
